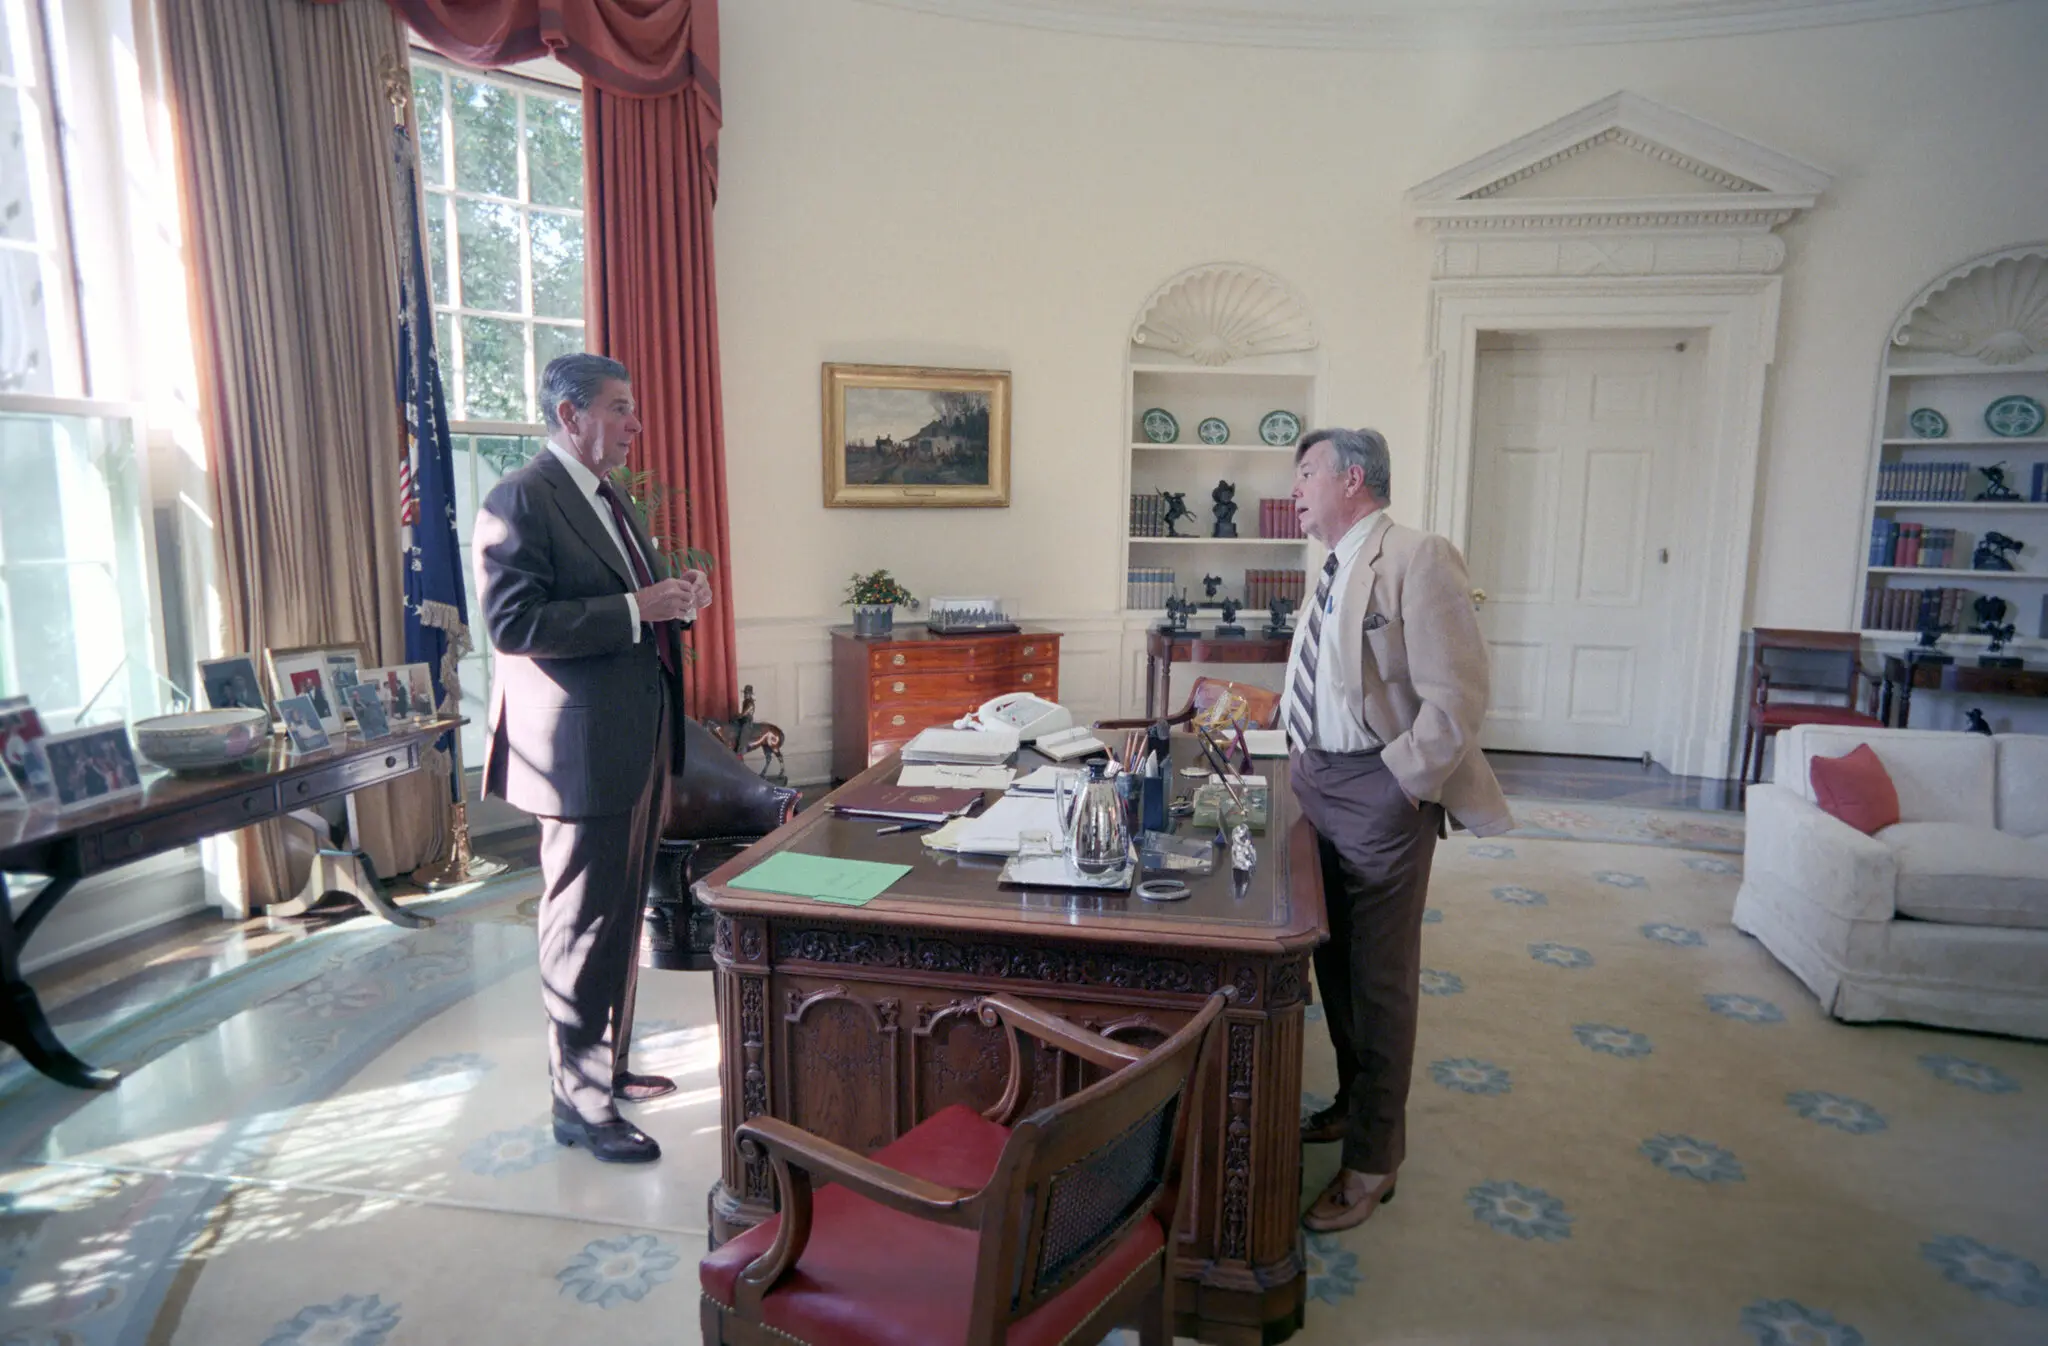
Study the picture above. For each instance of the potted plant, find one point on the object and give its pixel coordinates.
(874, 597)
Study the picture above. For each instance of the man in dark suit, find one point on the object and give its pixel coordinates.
(586, 724)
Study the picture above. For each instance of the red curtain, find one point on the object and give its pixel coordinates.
(650, 176)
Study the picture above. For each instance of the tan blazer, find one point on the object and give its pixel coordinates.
(1424, 671)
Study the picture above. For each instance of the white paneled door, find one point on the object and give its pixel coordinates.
(1571, 537)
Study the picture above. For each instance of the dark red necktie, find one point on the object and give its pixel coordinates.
(664, 632)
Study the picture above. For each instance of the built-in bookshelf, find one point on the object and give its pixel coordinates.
(1180, 362)
(1950, 396)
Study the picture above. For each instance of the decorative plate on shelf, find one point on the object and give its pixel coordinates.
(1927, 423)
(1160, 426)
(1280, 428)
(2014, 416)
(1214, 430)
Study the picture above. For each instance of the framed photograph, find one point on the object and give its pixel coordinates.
(302, 721)
(95, 765)
(367, 708)
(407, 690)
(232, 683)
(21, 750)
(304, 672)
(344, 665)
(898, 436)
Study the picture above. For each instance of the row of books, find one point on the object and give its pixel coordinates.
(1909, 609)
(1148, 515)
(1278, 519)
(1149, 587)
(1921, 546)
(1263, 586)
(1923, 481)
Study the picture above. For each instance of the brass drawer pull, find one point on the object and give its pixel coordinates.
(1030, 650)
(897, 660)
(896, 688)
(898, 719)
(1028, 677)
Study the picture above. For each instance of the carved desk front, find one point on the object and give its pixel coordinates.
(857, 1023)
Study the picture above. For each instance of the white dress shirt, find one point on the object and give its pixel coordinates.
(586, 482)
(1340, 686)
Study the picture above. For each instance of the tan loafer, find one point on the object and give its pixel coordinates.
(1348, 1202)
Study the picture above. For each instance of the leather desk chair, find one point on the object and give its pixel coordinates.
(1262, 705)
(717, 807)
(973, 1229)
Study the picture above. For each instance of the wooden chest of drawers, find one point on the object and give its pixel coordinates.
(886, 688)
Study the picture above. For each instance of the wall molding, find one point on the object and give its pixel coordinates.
(1419, 24)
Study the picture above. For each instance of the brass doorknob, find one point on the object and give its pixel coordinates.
(1479, 598)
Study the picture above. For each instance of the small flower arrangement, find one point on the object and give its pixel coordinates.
(876, 589)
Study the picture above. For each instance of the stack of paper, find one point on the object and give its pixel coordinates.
(1266, 742)
(956, 777)
(1002, 828)
(975, 747)
(1069, 743)
(1045, 781)
(907, 803)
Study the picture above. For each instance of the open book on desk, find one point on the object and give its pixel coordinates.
(1067, 744)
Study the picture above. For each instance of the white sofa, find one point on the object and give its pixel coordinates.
(1941, 918)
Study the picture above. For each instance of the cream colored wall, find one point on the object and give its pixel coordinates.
(900, 188)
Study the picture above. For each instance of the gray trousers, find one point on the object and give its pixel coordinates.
(1375, 851)
(594, 882)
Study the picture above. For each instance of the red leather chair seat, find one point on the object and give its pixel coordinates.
(871, 1276)
(1785, 714)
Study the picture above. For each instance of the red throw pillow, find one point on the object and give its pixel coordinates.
(1855, 788)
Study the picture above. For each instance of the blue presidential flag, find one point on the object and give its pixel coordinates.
(436, 610)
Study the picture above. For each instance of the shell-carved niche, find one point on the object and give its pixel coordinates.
(1994, 310)
(1222, 312)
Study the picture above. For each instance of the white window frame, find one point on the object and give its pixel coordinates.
(33, 80)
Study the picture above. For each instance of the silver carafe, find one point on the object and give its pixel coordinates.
(1091, 822)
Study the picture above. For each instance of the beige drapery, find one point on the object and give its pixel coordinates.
(284, 129)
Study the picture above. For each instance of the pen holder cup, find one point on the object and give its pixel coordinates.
(1152, 803)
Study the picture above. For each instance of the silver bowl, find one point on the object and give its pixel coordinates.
(202, 740)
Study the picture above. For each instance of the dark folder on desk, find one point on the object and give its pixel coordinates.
(907, 803)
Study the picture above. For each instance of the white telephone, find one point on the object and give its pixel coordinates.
(1029, 715)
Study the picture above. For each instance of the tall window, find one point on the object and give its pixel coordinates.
(38, 336)
(502, 163)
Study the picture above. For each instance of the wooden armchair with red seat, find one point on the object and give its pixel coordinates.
(1262, 705)
(1803, 661)
(977, 1229)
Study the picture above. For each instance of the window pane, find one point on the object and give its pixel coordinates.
(444, 351)
(486, 137)
(17, 210)
(488, 235)
(494, 368)
(552, 339)
(31, 508)
(437, 246)
(428, 111)
(24, 325)
(476, 704)
(39, 602)
(554, 151)
(466, 498)
(557, 265)
(496, 455)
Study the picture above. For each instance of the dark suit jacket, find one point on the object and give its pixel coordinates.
(575, 700)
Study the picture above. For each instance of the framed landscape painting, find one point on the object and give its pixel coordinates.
(899, 436)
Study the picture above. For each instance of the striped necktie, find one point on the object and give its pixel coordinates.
(1303, 721)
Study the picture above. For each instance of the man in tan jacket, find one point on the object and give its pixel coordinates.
(1386, 688)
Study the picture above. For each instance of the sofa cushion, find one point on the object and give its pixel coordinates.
(1855, 788)
(2023, 784)
(1965, 875)
(1941, 777)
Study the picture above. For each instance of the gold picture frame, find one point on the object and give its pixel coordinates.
(905, 437)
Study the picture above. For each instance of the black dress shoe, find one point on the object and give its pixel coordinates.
(615, 1142)
(640, 1088)
(1326, 1126)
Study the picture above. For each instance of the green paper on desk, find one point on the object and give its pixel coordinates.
(822, 878)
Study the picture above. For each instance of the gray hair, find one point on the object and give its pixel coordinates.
(575, 379)
(1365, 449)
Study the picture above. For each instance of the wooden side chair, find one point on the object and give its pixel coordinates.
(1262, 705)
(1803, 661)
(977, 1229)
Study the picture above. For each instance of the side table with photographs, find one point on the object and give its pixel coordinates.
(83, 807)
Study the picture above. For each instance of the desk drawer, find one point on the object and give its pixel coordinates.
(965, 652)
(119, 845)
(347, 776)
(901, 721)
(974, 685)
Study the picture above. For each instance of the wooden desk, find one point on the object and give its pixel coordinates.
(1961, 676)
(1164, 649)
(173, 811)
(858, 1022)
(886, 688)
